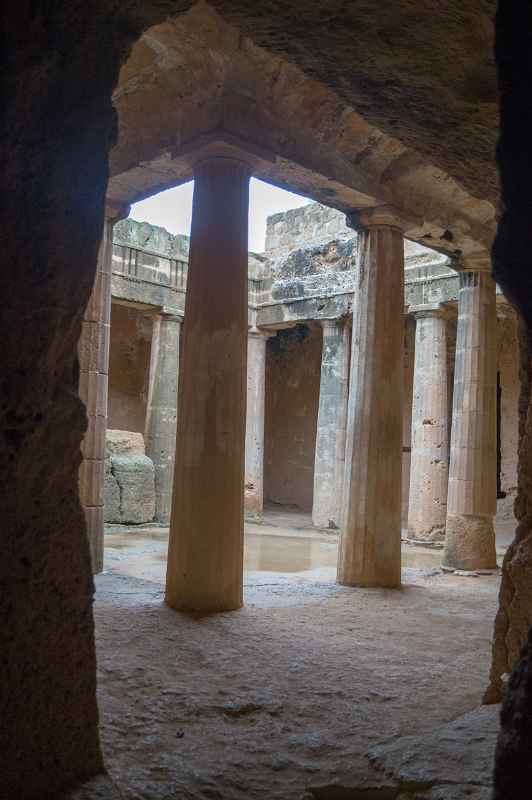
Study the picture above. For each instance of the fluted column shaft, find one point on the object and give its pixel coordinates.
(329, 461)
(93, 352)
(472, 494)
(161, 411)
(429, 464)
(256, 384)
(205, 555)
(370, 545)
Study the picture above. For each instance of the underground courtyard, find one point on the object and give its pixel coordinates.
(280, 698)
(267, 504)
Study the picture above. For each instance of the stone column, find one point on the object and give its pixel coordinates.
(256, 378)
(429, 464)
(472, 495)
(370, 544)
(161, 411)
(329, 462)
(205, 553)
(93, 352)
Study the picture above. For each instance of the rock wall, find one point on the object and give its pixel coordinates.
(129, 366)
(307, 226)
(508, 368)
(58, 123)
(514, 616)
(293, 364)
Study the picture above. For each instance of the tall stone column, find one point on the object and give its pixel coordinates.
(205, 553)
(370, 544)
(472, 495)
(161, 411)
(256, 382)
(429, 464)
(329, 462)
(93, 353)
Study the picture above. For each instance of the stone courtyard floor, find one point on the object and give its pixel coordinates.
(312, 690)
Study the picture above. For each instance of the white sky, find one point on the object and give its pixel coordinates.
(172, 209)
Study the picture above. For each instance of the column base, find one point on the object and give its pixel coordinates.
(368, 572)
(469, 543)
(253, 502)
(203, 605)
(431, 537)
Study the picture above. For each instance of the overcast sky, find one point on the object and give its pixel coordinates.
(172, 209)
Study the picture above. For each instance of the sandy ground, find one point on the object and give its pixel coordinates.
(289, 694)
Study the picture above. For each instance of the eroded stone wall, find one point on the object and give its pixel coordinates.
(508, 368)
(293, 364)
(307, 226)
(129, 363)
(514, 616)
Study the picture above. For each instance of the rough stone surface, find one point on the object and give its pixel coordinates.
(129, 479)
(454, 761)
(336, 156)
(428, 77)
(514, 616)
(111, 493)
(134, 475)
(57, 126)
(124, 443)
(513, 772)
(293, 362)
(288, 694)
(129, 360)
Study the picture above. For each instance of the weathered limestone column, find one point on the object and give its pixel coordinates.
(370, 544)
(256, 381)
(93, 353)
(429, 465)
(472, 495)
(161, 411)
(329, 463)
(205, 553)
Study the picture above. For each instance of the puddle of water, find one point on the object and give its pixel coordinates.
(263, 553)
(143, 555)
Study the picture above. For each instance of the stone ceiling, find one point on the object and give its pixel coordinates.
(404, 112)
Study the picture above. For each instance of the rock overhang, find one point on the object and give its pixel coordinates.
(195, 84)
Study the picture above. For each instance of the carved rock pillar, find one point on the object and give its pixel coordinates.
(93, 353)
(370, 545)
(429, 465)
(256, 378)
(161, 412)
(205, 554)
(329, 462)
(472, 495)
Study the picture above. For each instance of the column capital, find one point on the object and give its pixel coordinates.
(240, 159)
(167, 312)
(378, 217)
(479, 262)
(114, 211)
(261, 333)
(331, 324)
(431, 310)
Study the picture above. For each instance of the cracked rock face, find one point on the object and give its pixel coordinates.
(129, 479)
(453, 762)
(513, 769)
